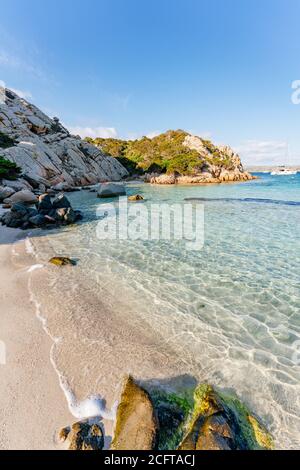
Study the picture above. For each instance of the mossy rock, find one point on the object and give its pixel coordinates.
(62, 261)
(136, 197)
(221, 422)
(172, 410)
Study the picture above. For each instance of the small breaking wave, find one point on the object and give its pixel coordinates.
(246, 199)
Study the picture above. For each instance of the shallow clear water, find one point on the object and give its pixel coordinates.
(229, 312)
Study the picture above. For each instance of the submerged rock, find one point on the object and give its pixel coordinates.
(62, 261)
(111, 190)
(136, 197)
(83, 436)
(136, 424)
(221, 422)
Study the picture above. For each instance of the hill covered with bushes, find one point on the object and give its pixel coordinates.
(174, 153)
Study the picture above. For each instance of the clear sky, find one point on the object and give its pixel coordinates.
(218, 68)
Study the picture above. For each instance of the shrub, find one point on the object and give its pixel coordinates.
(6, 141)
(8, 170)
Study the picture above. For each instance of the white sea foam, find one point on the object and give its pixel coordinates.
(92, 406)
(34, 267)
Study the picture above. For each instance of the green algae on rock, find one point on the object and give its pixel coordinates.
(62, 261)
(172, 411)
(221, 422)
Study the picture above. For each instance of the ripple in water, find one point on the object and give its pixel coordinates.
(228, 314)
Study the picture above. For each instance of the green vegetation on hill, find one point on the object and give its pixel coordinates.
(6, 141)
(8, 170)
(165, 153)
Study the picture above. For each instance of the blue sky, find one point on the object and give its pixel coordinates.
(218, 68)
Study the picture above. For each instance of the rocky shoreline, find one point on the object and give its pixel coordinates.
(224, 177)
(203, 419)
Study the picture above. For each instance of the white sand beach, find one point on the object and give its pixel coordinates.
(32, 404)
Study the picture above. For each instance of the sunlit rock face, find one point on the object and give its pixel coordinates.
(45, 150)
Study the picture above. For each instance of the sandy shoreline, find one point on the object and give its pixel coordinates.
(32, 404)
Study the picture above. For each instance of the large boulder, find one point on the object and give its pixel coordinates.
(25, 196)
(61, 202)
(83, 436)
(66, 215)
(38, 220)
(6, 192)
(45, 204)
(18, 216)
(45, 150)
(136, 424)
(18, 184)
(107, 190)
(222, 422)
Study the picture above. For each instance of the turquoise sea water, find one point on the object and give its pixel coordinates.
(231, 310)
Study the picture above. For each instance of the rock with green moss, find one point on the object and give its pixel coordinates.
(221, 422)
(135, 197)
(172, 411)
(136, 423)
(62, 261)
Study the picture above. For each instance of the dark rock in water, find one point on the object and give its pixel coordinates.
(38, 220)
(221, 422)
(79, 215)
(47, 214)
(31, 211)
(70, 216)
(83, 436)
(16, 217)
(58, 214)
(44, 204)
(19, 209)
(62, 261)
(65, 215)
(6, 206)
(61, 202)
(136, 424)
(107, 190)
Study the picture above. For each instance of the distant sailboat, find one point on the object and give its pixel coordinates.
(284, 170)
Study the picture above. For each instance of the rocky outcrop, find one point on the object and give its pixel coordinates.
(46, 152)
(136, 425)
(220, 422)
(220, 164)
(83, 436)
(203, 178)
(44, 213)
